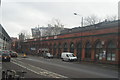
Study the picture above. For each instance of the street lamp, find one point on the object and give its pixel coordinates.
(81, 19)
(81, 26)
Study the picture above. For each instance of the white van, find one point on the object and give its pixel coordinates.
(67, 56)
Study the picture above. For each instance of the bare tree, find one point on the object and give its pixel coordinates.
(54, 28)
(48, 30)
(57, 27)
(28, 36)
(91, 20)
(111, 18)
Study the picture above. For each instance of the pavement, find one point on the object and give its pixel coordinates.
(108, 66)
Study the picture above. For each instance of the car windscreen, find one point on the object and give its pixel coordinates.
(0, 52)
(5, 51)
(14, 52)
(5, 54)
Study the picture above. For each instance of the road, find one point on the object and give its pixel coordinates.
(0, 69)
(38, 67)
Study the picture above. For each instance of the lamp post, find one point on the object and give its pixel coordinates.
(81, 32)
(81, 19)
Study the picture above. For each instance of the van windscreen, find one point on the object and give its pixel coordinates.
(71, 55)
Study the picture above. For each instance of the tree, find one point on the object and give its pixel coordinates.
(48, 31)
(91, 20)
(54, 28)
(111, 18)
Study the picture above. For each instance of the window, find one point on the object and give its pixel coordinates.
(79, 50)
(111, 49)
(65, 47)
(88, 50)
(67, 55)
(98, 51)
(72, 47)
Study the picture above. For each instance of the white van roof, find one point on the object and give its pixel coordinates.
(66, 52)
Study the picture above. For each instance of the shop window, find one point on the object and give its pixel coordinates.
(111, 49)
(54, 49)
(65, 47)
(88, 50)
(72, 47)
(79, 50)
(59, 51)
(98, 51)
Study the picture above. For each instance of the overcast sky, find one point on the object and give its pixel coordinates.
(19, 15)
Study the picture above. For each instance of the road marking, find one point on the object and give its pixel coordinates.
(18, 58)
(37, 70)
(81, 70)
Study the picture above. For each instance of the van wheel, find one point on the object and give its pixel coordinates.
(62, 59)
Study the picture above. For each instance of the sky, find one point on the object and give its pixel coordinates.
(22, 15)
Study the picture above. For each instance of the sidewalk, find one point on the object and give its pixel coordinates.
(103, 65)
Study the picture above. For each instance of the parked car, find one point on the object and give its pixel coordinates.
(67, 56)
(13, 54)
(5, 51)
(6, 56)
(47, 55)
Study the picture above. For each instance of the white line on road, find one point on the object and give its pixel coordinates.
(19, 58)
(37, 70)
(81, 70)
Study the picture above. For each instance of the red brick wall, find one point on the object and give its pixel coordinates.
(91, 36)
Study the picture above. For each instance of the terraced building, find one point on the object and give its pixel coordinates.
(94, 43)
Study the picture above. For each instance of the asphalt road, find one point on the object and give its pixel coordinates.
(12, 66)
(38, 67)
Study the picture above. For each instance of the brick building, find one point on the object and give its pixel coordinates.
(95, 43)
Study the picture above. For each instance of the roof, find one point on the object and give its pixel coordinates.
(102, 25)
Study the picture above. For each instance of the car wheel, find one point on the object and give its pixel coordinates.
(8, 60)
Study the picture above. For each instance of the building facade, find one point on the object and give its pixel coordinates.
(21, 36)
(95, 43)
(36, 32)
(5, 40)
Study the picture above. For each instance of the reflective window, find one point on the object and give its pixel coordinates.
(111, 49)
